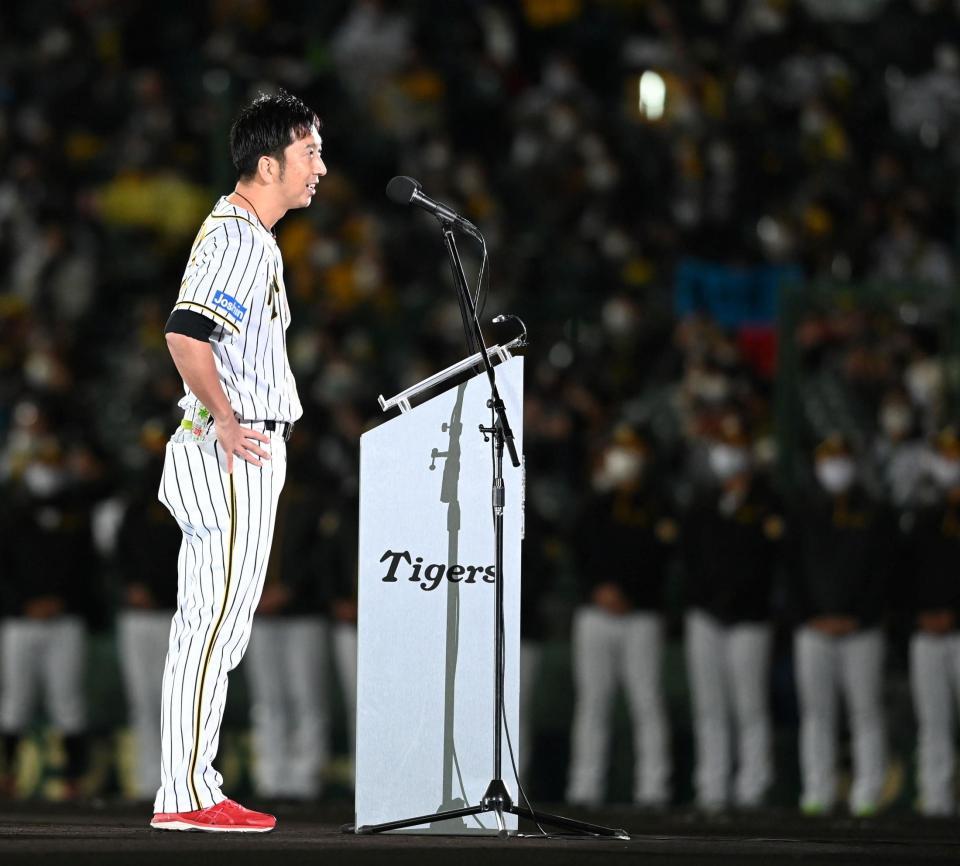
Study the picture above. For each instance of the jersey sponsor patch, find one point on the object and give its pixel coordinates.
(230, 305)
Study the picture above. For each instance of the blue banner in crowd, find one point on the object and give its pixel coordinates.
(733, 296)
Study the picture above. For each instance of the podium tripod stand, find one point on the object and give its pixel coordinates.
(496, 798)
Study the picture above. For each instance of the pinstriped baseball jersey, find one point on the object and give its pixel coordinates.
(235, 278)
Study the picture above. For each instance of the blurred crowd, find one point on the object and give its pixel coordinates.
(789, 465)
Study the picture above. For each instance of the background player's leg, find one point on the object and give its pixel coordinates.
(817, 694)
(142, 638)
(706, 668)
(269, 708)
(305, 647)
(930, 681)
(862, 671)
(749, 669)
(20, 657)
(596, 648)
(953, 656)
(643, 661)
(65, 667)
(64, 675)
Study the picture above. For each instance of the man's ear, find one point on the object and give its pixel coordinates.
(268, 169)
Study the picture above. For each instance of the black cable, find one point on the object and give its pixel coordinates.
(480, 301)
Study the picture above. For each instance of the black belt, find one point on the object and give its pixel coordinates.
(285, 427)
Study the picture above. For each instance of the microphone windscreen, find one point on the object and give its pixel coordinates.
(401, 189)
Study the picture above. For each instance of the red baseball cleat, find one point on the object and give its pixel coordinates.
(224, 817)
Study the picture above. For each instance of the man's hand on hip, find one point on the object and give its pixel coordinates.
(238, 440)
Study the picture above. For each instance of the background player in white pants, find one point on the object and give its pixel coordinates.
(227, 336)
(729, 542)
(839, 555)
(50, 596)
(618, 636)
(935, 642)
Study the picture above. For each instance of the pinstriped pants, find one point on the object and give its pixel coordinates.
(227, 523)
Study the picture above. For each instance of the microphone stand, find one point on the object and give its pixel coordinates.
(496, 798)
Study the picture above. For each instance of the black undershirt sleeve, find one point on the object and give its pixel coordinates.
(190, 324)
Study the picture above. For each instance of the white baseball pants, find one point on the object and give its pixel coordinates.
(853, 667)
(728, 669)
(935, 682)
(142, 636)
(608, 649)
(227, 522)
(287, 672)
(50, 654)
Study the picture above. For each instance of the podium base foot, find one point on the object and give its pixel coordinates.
(496, 799)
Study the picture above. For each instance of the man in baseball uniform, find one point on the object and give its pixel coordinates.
(618, 634)
(730, 538)
(224, 468)
(934, 606)
(840, 552)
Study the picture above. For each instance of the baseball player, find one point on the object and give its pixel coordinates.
(840, 542)
(730, 536)
(46, 589)
(935, 641)
(618, 635)
(224, 468)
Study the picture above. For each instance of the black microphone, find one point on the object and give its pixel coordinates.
(406, 190)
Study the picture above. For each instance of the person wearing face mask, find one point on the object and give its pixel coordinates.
(898, 452)
(49, 594)
(730, 537)
(839, 557)
(935, 639)
(618, 631)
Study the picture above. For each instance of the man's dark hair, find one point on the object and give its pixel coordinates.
(267, 126)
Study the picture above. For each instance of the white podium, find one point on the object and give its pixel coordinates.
(425, 702)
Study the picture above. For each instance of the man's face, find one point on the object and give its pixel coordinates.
(301, 169)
